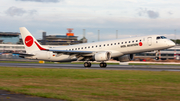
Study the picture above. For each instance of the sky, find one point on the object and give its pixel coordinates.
(130, 17)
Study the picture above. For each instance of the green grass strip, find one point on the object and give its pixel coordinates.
(92, 85)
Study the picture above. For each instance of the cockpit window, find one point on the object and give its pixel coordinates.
(158, 37)
(161, 37)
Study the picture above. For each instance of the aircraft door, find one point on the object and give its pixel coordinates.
(149, 41)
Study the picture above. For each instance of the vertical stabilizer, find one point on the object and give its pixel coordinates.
(30, 43)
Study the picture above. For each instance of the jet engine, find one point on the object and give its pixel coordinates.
(102, 56)
(124, 58)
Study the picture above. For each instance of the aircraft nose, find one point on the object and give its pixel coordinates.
(171, 43)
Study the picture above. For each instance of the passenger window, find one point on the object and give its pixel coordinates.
(89, 47)
(78, 48)
(132, 41)
(72, 49)
(114, 43)
(85, 47)
(82, 48)
(111, 44)
(118, 43)
(96, 46)
(125, 42)
(104, 45)
(99, 45)
(136, 40)
(140, 40)
(92, 46)
(121, 42)
(107, 44)
(129, 41)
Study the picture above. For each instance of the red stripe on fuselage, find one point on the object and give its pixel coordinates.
(41, 48)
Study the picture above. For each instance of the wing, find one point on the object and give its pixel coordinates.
(70, 52)
(79, 54)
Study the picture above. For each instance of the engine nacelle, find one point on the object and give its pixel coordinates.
(102, 56)
(125, 58)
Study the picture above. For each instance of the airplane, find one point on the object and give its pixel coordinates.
(119, 49)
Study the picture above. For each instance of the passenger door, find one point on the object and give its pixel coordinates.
(149, 41)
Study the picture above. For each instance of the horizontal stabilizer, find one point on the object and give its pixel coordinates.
(24, 54)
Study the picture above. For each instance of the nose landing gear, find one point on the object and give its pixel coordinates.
(157, 55)
(157, 58)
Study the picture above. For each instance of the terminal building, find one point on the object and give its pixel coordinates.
(9, 37)
(68, 39)
(171, 53)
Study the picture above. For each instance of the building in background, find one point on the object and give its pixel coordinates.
(10, 48)
(68, 39)
(9, 37)
(171, 53)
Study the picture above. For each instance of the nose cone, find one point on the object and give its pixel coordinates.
(171, 43)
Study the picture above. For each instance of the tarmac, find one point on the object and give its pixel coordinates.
(10, 96)
(96, 66)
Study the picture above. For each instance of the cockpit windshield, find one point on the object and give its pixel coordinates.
(161, 37)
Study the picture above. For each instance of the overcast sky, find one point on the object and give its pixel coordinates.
(129, 17)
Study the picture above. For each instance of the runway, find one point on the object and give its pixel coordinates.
(96, 66)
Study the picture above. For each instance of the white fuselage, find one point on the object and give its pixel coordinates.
(116, 47)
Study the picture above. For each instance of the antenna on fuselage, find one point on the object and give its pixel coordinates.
(116, 34)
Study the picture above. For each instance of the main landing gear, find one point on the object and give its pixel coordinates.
(87, 64)
(102, 65)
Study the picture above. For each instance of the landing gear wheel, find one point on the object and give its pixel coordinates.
(157, 55)
(157, 58)
(103, 65)
(87, 64)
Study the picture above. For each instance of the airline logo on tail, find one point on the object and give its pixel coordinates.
(29, 41)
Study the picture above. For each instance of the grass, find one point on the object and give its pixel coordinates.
(92, 85)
